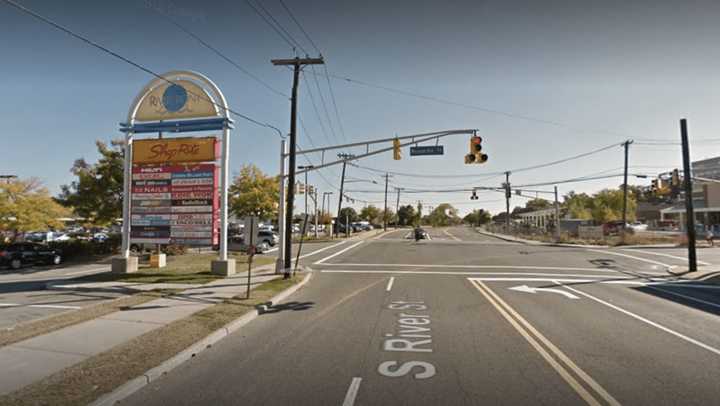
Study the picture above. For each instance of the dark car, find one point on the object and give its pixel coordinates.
(28, 253)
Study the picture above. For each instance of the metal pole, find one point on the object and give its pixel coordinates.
(342, 184)
(291, 173)
(279, 265)
(690, 212)
(225, 177)
(127, 181)
(625, 187)
(557, 216)
(397, 209)
(385, 215)
(316, 214)
(507, 202)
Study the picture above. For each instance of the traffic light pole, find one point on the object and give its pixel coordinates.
(336, 227)
(297, 64)
(689, 209)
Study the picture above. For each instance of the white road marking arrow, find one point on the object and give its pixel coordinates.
(528, 289)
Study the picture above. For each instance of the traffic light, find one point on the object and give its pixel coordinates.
(311, 189)
(654, 186)
(475, 156)
(300, 188)
(675, 178)
(396, 150)
(474, 196)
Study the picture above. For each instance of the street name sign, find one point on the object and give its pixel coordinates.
(427, 150)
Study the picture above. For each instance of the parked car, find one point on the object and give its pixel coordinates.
(637, 226)
(19, 254)
(612, 227)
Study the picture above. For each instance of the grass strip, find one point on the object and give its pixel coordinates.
(88, 380)
(188, 268)
(30, 329)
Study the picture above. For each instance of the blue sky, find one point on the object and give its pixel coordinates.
(608, 70)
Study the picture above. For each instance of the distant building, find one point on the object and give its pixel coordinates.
(705, 195)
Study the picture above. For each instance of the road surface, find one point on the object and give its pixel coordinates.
(466, 319)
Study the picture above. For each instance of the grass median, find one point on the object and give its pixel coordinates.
(88, 380)
(187, 268)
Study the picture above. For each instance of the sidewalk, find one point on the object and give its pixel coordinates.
(535, 242)
(28, 361)
(704, 274)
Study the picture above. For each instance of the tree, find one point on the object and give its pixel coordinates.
(444, 215)
(252, 193)
(389, 216)
(27, 206)
(406, 215)
(348, 213)
(604, 206)
(537, 204)
(371, 214)
(477, 217)
(97, 194)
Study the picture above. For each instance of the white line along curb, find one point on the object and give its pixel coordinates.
(134, 385)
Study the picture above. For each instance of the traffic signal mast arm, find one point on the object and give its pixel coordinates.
(414, 139)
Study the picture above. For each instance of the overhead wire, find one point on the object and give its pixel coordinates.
(287, 40)
(131, 62)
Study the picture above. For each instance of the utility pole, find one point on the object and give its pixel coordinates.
(689, 209)
(297, 64)
(557, 216)
(626, 144)
(342, 185)
(317, 214)
(507, 202)
(385, 215)
(397, 208)
(280, 264)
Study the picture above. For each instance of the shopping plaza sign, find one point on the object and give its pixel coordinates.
(176, 187)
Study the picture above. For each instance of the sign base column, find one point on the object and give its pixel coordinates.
(223, 268)
(124, 265)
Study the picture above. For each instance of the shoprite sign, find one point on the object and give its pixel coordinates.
(174, 150)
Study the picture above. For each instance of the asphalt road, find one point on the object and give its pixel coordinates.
(468, 319)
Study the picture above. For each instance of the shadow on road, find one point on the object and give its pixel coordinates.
(294, 306)
(707, 300)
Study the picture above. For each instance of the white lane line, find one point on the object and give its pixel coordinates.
(352, 392)
(451, 236)
(322, 249)
(649, 261)
(408, 234)
(10, 304)
(694, 299)
(646, 321)
(390, 283)
(342, 251)
(271, 250)
(106, 268)
(55, 307)
(662, 254)
(538, 268)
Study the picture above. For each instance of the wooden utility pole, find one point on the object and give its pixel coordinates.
(626, 144)
(689, 209)
(387, 176)
(397, 208)
(507, 202)
(297, 64)
(342, 186)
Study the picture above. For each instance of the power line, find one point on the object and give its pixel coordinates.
(130, 62)
(332, 97)
(220, 54)
(324, 106)
(292, 16)
(468, 106)
(317, 112)
(277, 31)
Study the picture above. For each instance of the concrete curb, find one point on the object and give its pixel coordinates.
(134, 385)
(534, 242)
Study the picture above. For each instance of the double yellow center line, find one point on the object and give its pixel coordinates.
(563, 365)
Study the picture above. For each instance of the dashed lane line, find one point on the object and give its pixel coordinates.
(390, 283)
(352, 392)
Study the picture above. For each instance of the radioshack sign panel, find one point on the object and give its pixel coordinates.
(175, 204)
